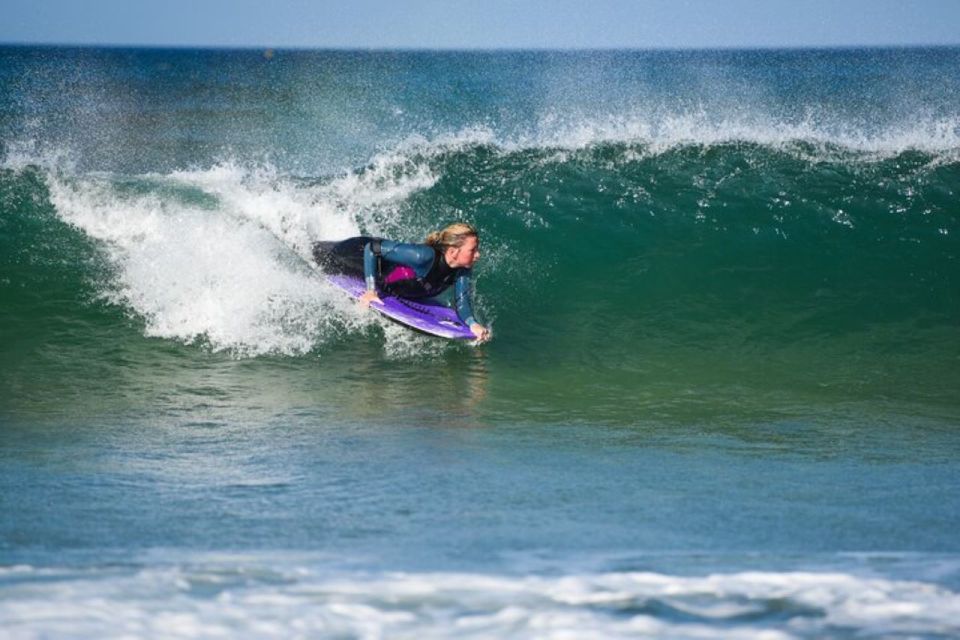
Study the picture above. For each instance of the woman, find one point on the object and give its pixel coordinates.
(411, 270)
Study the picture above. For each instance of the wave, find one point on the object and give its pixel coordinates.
(219, 255)
(244, 600)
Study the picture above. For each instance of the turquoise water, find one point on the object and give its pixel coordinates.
(720, 400)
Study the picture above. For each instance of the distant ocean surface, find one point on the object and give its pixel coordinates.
(722, 399)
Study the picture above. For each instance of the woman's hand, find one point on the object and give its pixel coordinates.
(480, 331)
(368, 297)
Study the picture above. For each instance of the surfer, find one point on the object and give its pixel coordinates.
(411, 271)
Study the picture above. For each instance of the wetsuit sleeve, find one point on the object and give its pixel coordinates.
(418, 257)
(462, 291)
(370, 266)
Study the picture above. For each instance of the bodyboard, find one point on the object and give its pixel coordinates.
(431, 318)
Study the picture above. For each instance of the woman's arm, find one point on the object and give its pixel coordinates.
(370, 272)
(461, 298)
(462, 291)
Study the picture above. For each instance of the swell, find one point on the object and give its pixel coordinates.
(795, 241)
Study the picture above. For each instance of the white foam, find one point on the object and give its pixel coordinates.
(227, 273)
(192, 273)
(300, 213)
(238, 600)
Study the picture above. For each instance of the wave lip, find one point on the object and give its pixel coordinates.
(251, 601)
(663, 131)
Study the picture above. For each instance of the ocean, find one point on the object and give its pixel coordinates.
(721, 399)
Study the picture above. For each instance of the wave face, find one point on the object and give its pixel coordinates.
(696, 261)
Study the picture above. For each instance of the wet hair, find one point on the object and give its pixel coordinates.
(452, 236)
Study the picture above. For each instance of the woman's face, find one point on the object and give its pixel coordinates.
(465, 255)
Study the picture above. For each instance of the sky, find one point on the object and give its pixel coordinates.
(482, 24)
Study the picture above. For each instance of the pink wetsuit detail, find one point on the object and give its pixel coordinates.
(400, 273)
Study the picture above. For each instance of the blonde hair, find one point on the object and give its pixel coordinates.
(452, 236)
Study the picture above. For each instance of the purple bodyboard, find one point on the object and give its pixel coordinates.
(435, 319)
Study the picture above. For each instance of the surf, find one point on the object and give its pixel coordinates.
(250, 595)
(219, 253)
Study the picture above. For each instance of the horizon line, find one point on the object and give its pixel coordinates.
(478, 49)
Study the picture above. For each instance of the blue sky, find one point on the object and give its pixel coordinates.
(462, 24)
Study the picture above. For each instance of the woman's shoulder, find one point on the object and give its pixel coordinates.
(409, 250)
